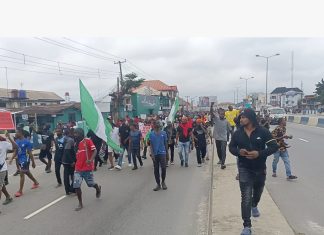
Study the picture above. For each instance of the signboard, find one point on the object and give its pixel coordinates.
(143, 116)
(144, 130)
(148, 101)
(24, 116)
(6, 122)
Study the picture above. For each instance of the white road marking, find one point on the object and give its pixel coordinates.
(44, 207)
(303, 140)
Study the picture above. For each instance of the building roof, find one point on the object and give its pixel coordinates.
(281, 90)
(34, 95)
(48, 109)
(158, 85)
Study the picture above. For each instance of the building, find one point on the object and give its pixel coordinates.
(52, 114)
(258, 100)
(310, 104)
(13, 98)
(286, 97)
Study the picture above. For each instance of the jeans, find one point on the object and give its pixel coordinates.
(68, 178)
(184, 147)
(58, 171)
(136, 153)
(159, 161)
(285, 157)
(125, 148)
(201, 153)
(221, 150)
(251, 186)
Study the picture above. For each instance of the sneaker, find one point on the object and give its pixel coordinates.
(135, 168)
(167, 164)
(35, 186)
(164, 187)
(172, 163)
(118, 167)
(7, 201)
(255, 212)
(182, 162)
(18, 194)
(199, 165)
(111, 168)
(16, 173)
(246, 231)
(157, 188)
(141, 164)
(186, 165)
(292, 177)
(274, 175)
(223, 167)
(130, 165)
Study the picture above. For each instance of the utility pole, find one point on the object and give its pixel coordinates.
(119, 81)
(234, 98)
(292, 69)
(187, 102)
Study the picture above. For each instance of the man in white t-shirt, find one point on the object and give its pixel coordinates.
(5, 146)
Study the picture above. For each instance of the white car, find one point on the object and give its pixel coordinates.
(275, 114)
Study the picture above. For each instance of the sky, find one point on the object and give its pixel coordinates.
(199, 66)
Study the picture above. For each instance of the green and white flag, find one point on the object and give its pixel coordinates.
(94, 119)
(174, 110)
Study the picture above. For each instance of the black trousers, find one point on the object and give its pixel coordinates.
(136, 153)
(251, 185)
(171, 147)
(145, 151)
(221, 150)
(97, 160)
(159, 161)
(68, 178)
(58, 171)
(201, 152)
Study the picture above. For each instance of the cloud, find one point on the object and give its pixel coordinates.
(198, 66)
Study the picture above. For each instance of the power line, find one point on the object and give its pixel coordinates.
(66, 46)
(93, 48)
(39, 58)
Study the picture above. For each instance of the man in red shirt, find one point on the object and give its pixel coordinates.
(86, 152)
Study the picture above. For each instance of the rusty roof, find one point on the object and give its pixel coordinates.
(33, 95)
(158, 85)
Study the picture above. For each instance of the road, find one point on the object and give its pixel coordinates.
(301, 201)
(128, 204)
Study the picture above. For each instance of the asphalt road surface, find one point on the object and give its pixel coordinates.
(302, 201)
(128, 204)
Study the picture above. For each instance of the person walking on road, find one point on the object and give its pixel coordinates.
(230, 116)
(159, 152)
(59, 150)
(199, 135)
(68, 161)
(84, 166)
(24, 155)
(5, 146)
(172, 134)
(184, 135)
(46, 148)
(252, 145)
(124, 140)
(279, 133)
(135, 145)
(221, 129)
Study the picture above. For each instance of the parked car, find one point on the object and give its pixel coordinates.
(275, 114)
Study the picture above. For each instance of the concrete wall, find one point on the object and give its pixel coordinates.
(306, 120)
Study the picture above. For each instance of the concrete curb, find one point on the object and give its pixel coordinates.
(226, 213)
(307, 120)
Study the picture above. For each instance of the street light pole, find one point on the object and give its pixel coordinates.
(267, 68)
(246, 82)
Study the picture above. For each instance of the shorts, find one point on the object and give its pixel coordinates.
(2, 178)
(24, 167)
(45, 153)
(86, 175)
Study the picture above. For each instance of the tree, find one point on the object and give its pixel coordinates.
(129, 83)
(319, 91)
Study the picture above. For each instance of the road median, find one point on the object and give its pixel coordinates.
(226, 201)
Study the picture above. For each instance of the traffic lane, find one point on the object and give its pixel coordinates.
(300, 200)
(128, 205)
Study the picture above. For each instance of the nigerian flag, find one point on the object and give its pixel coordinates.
(94, 119)
(174, 110)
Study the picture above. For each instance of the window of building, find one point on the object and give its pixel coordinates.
(273, 97)
(2, 104)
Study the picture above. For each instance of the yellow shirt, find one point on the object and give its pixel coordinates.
(230, 116)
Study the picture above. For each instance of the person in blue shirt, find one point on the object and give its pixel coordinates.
(159, 143)
(135, 145)
(24, 155)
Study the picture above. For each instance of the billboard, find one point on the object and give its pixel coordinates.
(205, 101)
